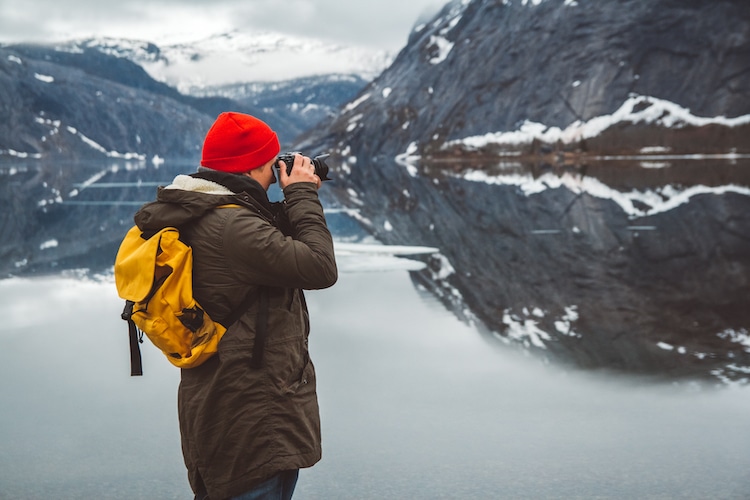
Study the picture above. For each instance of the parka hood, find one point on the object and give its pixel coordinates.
(190, 197)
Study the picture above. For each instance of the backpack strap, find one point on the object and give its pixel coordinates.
(261, 322)
(135, 337)
(261, 329)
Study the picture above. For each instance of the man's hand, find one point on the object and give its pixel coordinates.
(302, 171)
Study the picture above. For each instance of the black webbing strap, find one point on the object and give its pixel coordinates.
(261, 329)
(261, 322)
(136, 366)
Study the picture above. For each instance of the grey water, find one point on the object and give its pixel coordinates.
(415, 404)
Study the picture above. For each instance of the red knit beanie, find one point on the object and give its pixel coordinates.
(238, 143)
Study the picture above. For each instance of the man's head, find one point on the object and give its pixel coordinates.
(238, 143)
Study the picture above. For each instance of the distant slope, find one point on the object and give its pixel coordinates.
(85, 105)
(291, 82)
(301, 103)
(240, 57)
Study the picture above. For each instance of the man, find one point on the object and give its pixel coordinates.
(249, 416)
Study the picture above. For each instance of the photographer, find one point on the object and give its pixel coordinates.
(249, 416)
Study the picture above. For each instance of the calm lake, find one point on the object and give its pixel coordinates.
(414, 403)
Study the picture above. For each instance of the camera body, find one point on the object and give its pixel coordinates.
(321, 169)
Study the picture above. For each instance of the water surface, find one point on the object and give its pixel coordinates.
(414, 404)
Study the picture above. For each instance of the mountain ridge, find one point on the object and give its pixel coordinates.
(238, 57)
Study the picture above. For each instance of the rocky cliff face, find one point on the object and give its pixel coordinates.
(490, 66)
(582, 168)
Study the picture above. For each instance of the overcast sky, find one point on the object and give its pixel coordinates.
(376, 23)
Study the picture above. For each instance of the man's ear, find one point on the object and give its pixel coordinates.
(254, 172)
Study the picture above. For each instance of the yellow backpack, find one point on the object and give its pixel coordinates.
(154, 276)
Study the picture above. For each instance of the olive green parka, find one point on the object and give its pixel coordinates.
(240, 425)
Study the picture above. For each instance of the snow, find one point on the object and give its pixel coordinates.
(353, 122)
(20, 154)
(740, 336)
(48, 244)
(656, 111)
(343, 248)
(354, 197)
(112, 154)
(525, 331)
(354, 263)
(440, 42)
(565, 323)
(655, 164)
(408, 159)
(445, 270)
(443, 46)
(659, 200)
(353, 105)
(198, 62)
(655, 149)
(44, 78)
(55, 127)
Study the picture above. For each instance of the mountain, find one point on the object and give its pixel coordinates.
(485, 67)
(240, 57)
(87, 104)
(74, 114)
(293, 83)
(582, 167)
(301, 103)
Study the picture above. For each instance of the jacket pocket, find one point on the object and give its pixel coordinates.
(302, 379)
(288, 364)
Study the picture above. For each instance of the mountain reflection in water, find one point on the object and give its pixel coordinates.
(414, 404)
(641, 266)
(636, 265)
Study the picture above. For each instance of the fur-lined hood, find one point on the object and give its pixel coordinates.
(190, 197)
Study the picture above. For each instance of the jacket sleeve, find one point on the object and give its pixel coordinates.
(259, 253)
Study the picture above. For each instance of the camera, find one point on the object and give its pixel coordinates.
(321, 169)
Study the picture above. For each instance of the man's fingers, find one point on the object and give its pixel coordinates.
(302, 171)
(282, 170)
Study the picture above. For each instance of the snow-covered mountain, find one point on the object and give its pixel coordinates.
(240, 57)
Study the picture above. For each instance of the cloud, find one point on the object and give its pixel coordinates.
(384, 24)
